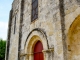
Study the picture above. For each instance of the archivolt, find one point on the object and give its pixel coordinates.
(39, 31)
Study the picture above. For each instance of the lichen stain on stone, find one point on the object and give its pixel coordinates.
(59, 51)
(50, 30)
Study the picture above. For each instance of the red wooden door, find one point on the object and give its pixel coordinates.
(38, 55)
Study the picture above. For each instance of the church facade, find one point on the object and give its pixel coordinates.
(44, 30)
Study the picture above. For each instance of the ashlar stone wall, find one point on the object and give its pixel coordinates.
(55, 18)
(72, 13)
(14, 38)
(48, 21)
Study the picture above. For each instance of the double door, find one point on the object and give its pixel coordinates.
(38, 54)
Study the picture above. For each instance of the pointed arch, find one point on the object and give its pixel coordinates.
(35, 36)
(38, 54)
(39, 32)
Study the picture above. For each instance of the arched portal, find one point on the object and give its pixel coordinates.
(35, 38)
(38, 54)
(74, 40)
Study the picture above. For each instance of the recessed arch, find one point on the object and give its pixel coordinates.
(39, 32)
(73, 41)
(73, 27)
(32, 39)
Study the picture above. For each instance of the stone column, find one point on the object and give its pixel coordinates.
(48, 54)
(26, 56)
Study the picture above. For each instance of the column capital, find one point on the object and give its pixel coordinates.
(49, 50)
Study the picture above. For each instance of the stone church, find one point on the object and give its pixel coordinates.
(44, 30)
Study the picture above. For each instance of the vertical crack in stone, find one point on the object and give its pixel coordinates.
(20, 28)
(62, 14)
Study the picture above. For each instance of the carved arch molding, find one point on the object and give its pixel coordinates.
(34, 36)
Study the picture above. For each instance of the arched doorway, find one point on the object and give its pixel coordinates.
(74, 40)
(31, 42)
(38, 54)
